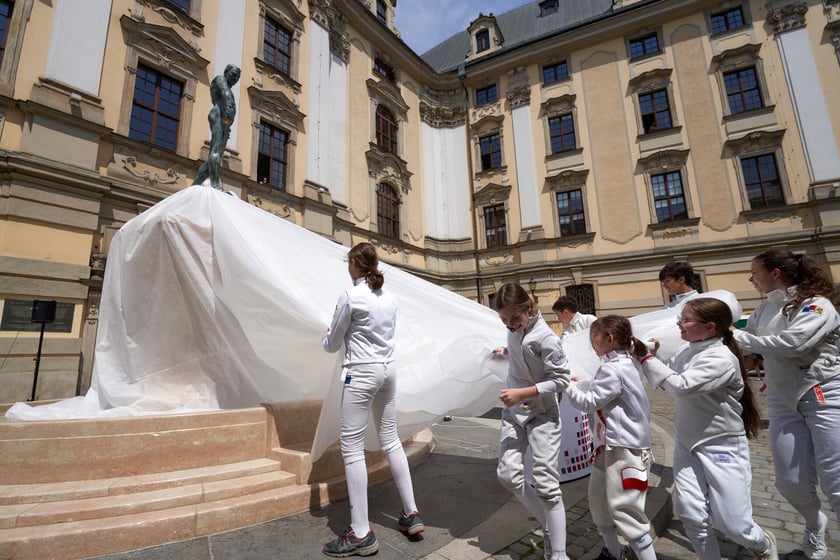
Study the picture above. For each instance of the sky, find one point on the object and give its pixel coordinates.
(425, 23)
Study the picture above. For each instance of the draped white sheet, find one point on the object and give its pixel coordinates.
(209, 302)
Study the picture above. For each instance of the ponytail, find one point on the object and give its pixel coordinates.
(713, 310)
(364, 255)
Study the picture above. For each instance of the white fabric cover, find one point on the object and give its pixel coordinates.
(210, 302)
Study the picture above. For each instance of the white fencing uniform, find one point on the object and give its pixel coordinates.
(618, 406)
(365, 322)
(712, 470)
(536, 359)
(802, 372)
(580, 322)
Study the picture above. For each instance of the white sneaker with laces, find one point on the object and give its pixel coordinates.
(813, 542)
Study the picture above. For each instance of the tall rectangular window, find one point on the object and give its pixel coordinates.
(277, 46)
(386, 129)
(156, 109)
(555, 72)
(6, 7)
(742, 91)
(761, 181)
(668, 197)
(381, 11)
(570, 212)
(272, 156)
(495, 225)
(491, 151)
(486, 95)
(655, 110)
(388, 211)
(482, 40)
(643, 46)
(727, 20)
(561, 130)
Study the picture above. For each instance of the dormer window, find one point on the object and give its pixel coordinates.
(549, 7)
(382, 11)
(482, 41)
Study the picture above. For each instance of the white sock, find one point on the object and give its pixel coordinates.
(611, 543)
(402, 478)
(555, 522)
(357, 481)
(643, 547)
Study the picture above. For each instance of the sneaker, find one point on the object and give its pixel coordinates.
(771, 553)
(348, 545)
(411, 524)
(813, 542)
(607, 555)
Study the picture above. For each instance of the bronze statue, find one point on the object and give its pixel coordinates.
(221, 117)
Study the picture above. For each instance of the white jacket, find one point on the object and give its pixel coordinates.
(536, 358)
(705, 378)
(616, 402)
(580, 322)
(365, 321)
(800, 350)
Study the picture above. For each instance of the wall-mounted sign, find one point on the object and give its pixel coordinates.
(17, 316)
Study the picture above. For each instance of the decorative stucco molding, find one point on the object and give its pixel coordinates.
(787, 17)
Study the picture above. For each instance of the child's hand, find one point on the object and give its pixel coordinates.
(499, 352)
(655, 348)
(510, 397)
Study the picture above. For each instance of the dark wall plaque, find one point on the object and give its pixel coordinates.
(17, 316)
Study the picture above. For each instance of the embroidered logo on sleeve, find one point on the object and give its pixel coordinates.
(558, 357)
(633, 478)
(812, 309)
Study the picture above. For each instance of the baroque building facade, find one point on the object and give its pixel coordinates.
(574, 146)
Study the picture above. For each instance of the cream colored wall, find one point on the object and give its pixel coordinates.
(44, 242)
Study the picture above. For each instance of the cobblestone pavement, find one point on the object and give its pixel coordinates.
(770, 510)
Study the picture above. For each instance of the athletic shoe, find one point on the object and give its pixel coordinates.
(607, 555)
(348, 545)
(771, 553)
(813, 542)
(411, 524)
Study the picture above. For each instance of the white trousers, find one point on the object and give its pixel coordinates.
(368, 388)
(806, 447)
(617, 492)
(541, 435)
(712, 488)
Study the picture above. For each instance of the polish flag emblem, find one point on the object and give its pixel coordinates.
(633, 478)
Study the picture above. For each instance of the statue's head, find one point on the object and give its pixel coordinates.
(232, 73)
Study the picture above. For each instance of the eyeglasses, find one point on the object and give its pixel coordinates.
(685, 320)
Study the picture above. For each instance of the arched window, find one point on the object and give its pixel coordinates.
(386, 129)
(388, 211)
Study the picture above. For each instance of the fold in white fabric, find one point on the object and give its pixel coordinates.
(209, 302)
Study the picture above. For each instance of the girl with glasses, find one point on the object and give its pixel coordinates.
(796, 329)
(714, 414)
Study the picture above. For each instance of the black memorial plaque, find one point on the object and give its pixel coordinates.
(17, 316)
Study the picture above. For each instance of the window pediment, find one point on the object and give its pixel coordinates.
(277, 107)
(490, 123)
(557, 105)
(567, 179)
(163, 46)
(385, 166)
(664, 159)
(492, 193)
(737, 56)
(756, 142)
(285, 12)
(386, 92)
(652, 79)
